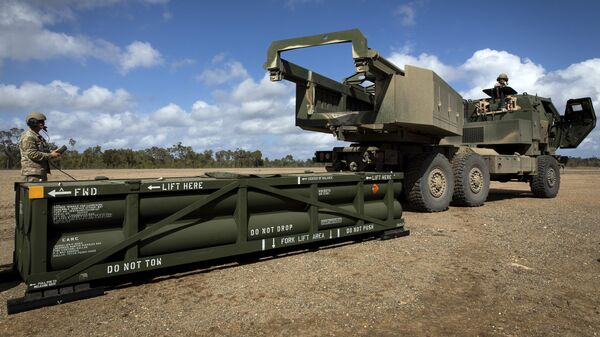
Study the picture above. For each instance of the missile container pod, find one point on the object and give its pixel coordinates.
(69, 234)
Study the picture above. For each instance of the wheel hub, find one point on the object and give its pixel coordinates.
(353, 166)
(475, 180)
(437, 183)
(551, 177)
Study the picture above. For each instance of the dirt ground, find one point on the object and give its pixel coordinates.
(518, 266)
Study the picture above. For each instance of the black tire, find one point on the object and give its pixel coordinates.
(338, 166)
(546, 182)
(429, 182)
(471, 179)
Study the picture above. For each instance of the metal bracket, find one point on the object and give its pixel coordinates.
(50, 297)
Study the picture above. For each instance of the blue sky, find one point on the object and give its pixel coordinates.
(139, 73)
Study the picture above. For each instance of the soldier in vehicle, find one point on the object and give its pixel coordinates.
(501, 81)
(35, 152)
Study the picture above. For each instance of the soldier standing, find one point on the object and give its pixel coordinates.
(35, 152)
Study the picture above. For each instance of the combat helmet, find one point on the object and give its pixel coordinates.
(502, 76)
(34, 115)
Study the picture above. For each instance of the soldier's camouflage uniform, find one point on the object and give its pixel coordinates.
(34, 156)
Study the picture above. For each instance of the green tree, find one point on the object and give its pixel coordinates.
(206, 159)
(9, 147)
(92, 158)
(184, 156)
(160, 157)
(178, 155)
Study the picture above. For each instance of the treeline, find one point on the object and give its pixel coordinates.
(176, 156)
(583, 162)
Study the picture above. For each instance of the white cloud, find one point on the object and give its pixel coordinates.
(253, 107)
(481, 70)
(249, 115)
(578, 80)
(303, 145)
(170, 115)
(204, 111)
(93, 128)
(152, 139)
(139, 54)
(26, 40)
(218, 58)
(253, 115)
(235, 119)
(407, 14)
(59, 95)
(175, 65)
(259, 114)
(260, 125)
(24, 36)
(401, 58)
(222, 71)
(13, 13)
(116, 143)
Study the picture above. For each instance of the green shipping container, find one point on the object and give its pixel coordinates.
(72, 233)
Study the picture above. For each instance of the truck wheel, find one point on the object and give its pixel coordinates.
(546, 182)
(429, 182)
(471, 179)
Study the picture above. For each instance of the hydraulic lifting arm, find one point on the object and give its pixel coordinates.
(366, 60)
(326, 105)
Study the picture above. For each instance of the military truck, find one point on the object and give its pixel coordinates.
(410, 120)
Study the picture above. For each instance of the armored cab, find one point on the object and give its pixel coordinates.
(512, 131)
(528, 125)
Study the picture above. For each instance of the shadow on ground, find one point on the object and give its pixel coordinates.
(8, 277)
(502, 194)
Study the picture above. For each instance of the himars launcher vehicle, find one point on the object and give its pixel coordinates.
(409, 120)
(411, 134)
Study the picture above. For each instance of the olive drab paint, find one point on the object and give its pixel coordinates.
(129, 226)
